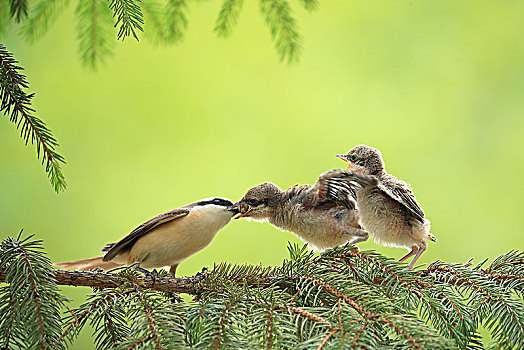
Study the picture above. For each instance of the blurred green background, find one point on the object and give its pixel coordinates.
(438, 87)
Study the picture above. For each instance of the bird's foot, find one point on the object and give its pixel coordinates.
(202, 273)
(147, 273)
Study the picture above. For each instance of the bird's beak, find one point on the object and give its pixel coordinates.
(235, 209)
(241, 209)
(344, 157)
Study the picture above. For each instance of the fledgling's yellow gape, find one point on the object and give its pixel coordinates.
(165, 240)
(388, 208)
(322, 215)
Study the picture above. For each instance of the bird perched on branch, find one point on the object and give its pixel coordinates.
(165, 240)
(388, 208)
(323, 215)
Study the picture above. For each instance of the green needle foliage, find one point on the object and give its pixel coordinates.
(162, 21)
(94, 31)
(282, 27)
(30, 302)
(345, 299)
(43, 14)
(176, 20)
(228, 16)
(18, 9)
(129, 16)
(16, 103)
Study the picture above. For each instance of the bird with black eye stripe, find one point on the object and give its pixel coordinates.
(165, 240)
(323, 215)
(388, 208)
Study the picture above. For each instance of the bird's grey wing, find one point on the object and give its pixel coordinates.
(335, 186)
(400, 191)
(114, 248)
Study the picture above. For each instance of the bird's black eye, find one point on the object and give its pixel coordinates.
(252, 201)
(353, 157)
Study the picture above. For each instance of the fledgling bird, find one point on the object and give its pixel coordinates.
(165, 240)
(323, 215)
(388, 208)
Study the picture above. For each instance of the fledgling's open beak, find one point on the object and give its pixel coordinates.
(240, 209)
(344, 157)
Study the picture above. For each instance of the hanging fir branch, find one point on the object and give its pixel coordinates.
(176, 20)
(43, 14)
(344, 299)
(94, 31)
(282, 27)
(16, 103)
(162, 21)
(128, 16)
(4, 17)
(228, 17)
(310, 5)
(18, 9)
(155, 28)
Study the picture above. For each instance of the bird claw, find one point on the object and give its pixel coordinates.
(147, 273)
(202, 273)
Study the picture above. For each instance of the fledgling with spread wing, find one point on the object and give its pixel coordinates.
(388, 208)
(323, 215)
(165, 240)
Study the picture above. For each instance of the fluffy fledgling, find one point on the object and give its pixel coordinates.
(388, 208)
(323, 215)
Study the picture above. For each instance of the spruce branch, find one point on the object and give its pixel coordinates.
(160, 24)
(228, 17)
(43, 14)
(128, 15)
(155, 22)
(310, 5)
(18, 9)
(176, 20)
(282, 27)
(345, 298)
(16, 102)
(30, 303)
(94, 31)
(4, 16)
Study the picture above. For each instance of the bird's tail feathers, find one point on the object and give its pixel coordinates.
(432, 238)
(88, 264)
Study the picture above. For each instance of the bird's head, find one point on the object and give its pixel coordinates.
(259, 202)
(214, 205)
(365, 160)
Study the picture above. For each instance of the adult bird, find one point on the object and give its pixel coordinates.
(323, 215)
(388, 208)
(165, 240)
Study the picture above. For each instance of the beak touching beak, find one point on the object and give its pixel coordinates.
(344, 157)
(235, 210)
(239, 210)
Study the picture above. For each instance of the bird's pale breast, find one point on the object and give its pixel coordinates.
(175, 241)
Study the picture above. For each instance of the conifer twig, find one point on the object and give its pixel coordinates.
(16, 103)
(93, 279)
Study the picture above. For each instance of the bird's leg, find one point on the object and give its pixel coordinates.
(420, 251)
(147, 273)
(413, 251)
(172, 270)
(202, 273)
